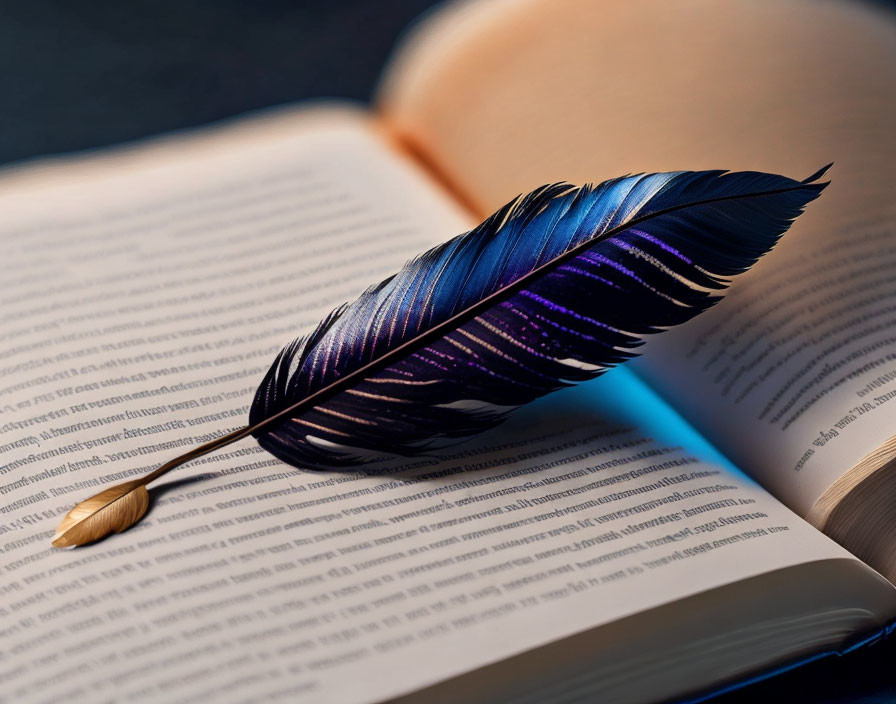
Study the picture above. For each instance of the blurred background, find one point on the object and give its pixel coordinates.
(75, 76)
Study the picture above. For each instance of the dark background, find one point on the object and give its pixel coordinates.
(76, 75)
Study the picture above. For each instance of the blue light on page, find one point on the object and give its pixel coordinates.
(622, 395)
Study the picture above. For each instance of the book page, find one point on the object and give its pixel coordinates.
(145, 294)
(794, 376)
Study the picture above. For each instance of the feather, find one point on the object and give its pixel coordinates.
(553, 289)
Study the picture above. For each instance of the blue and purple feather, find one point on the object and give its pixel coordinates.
(663, 248)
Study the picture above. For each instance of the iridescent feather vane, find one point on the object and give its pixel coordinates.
(553, 289)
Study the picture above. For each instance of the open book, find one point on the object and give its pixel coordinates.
(601, 545)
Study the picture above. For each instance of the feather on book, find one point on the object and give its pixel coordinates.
(629, 538)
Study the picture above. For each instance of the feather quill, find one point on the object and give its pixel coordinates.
(553, 289)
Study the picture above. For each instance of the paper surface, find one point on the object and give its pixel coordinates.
(794, 376)
(143, 298)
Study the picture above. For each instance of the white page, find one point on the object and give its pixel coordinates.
(144, 297)
(783, 86)
(795, 375)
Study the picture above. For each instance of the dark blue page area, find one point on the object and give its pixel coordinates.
(80, 75)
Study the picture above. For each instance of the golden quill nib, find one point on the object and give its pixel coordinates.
(112, 510)
(116, 509)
